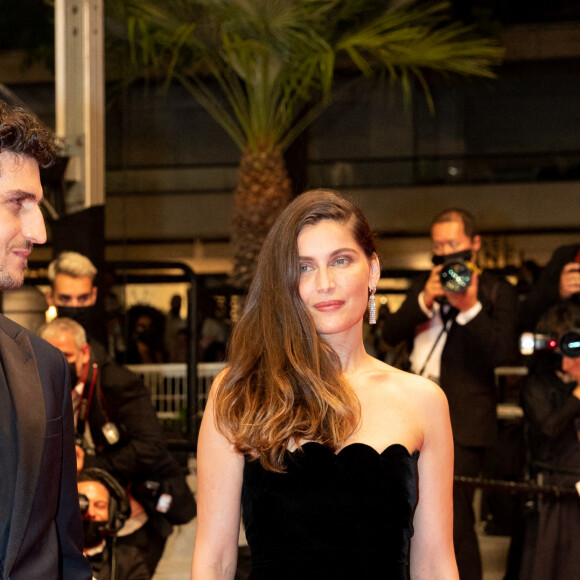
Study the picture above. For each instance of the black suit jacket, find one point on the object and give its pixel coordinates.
(46, 535)
(470, 354)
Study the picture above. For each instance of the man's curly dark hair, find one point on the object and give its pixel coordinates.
(23, 134)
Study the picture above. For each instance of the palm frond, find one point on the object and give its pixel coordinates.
(273, 59)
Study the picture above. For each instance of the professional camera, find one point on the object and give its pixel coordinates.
(456, 275)
(568, 345)
(151, 493)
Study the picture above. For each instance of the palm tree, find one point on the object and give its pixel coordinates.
(264, 70)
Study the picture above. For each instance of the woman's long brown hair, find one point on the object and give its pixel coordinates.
(284, 384)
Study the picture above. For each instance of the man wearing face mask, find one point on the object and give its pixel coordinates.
(117, 430)
(457, 338)
(73, 292)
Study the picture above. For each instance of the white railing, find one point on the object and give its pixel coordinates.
(206, 373)
(167, 384)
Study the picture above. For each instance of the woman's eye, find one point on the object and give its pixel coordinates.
(341, 261)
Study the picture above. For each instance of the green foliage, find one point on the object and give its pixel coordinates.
(274, 61)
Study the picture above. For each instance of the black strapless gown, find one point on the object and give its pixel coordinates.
(344, 516)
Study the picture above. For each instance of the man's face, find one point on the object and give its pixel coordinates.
(572, 367)
(74, 292)
(98, 496)
(21, 221)
(450, 237)
(65, 342)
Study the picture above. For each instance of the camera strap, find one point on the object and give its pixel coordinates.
(447, 315)
(90, 382)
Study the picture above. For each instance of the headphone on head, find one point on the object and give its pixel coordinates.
(119, 505)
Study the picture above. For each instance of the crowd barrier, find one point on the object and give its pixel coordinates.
(167, 384)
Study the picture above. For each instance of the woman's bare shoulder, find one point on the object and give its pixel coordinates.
(410, 385)
(217, 382)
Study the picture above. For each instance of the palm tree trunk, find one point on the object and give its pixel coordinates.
(263, 191)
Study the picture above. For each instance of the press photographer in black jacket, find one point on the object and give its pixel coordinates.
(117, 430)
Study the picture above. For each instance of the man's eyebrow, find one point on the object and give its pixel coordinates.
(64, 295)
(22, 195)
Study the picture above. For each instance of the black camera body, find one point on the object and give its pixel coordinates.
(456, 275)
(568, 345)
(152, 494)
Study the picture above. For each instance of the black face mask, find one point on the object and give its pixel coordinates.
(464, 255)
(92, 533)
(84, 315)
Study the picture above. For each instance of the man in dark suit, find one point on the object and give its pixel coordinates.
(456, 339)
(40, 526)
(559, 280)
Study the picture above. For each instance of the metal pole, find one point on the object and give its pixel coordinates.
(80, 90)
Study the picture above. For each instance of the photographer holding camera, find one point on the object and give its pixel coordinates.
(104, 509)
(460, 324)
(550, 397)
(117, 430)
(559, 280)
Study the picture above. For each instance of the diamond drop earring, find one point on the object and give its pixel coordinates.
(372, 306)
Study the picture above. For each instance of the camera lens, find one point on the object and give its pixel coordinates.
(455, 276)
(570, 344)
(83, 503)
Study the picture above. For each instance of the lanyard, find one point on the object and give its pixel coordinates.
(86, 398)
(447, 316)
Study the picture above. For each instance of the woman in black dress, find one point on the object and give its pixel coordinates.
(341, 465)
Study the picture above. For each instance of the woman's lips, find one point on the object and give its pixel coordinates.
(329, 305)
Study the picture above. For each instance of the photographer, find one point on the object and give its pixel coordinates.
(117, 430)
(459, 327)
(559, 280)
(550, 397)
(104, 509)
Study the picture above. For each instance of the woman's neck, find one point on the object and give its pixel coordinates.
(352, 354)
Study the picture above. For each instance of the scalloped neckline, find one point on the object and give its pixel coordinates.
(356, 444)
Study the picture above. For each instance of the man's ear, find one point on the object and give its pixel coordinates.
(476, 243)
(85, 353)
(49, 297)
(94, 291)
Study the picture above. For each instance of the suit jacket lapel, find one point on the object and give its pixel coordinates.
(25, 387)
